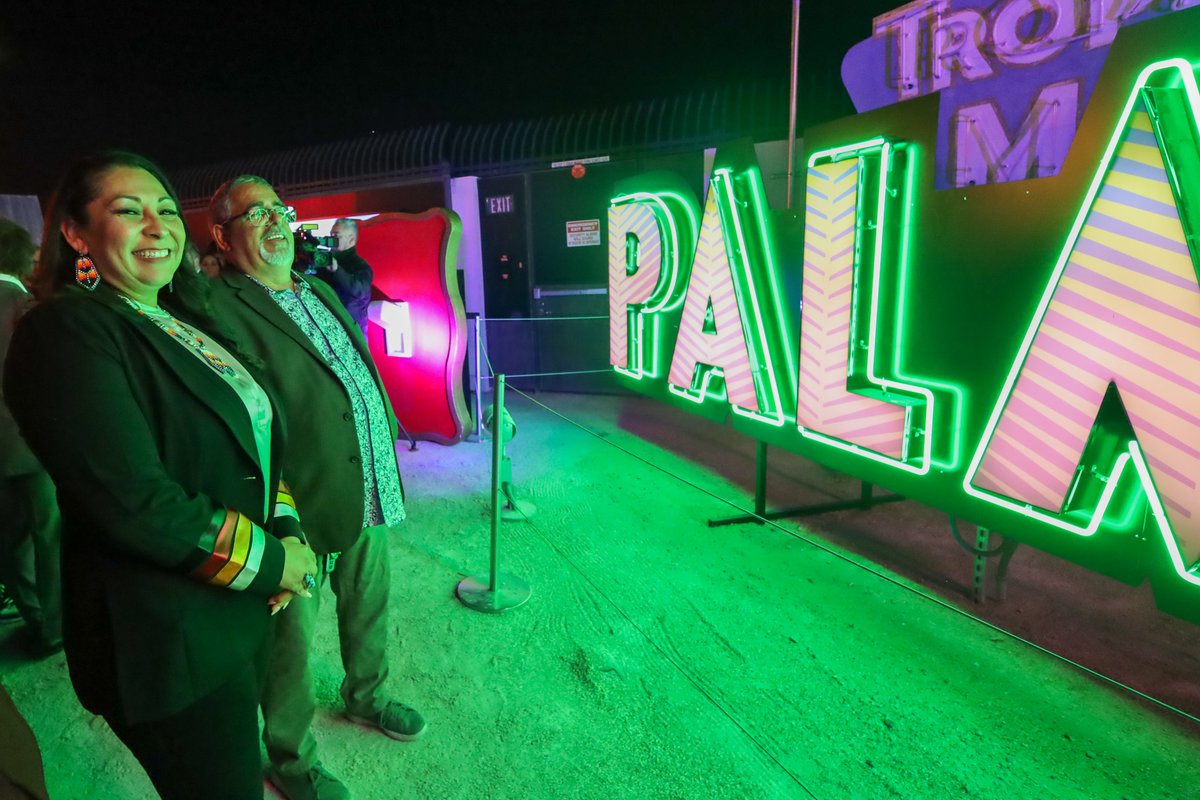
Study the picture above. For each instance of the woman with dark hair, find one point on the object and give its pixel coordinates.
(179, 542)
(209, 265)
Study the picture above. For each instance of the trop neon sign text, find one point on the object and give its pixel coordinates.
(995, 123)
(1096, 425)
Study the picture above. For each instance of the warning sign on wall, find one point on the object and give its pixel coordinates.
(583, 233)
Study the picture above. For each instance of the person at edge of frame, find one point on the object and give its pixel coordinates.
(30, 525)
(179, 541)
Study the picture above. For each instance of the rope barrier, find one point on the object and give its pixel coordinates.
(871, 569)
(536, 319)
(644, 634)
(510, 376)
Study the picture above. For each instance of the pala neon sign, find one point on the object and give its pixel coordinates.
(1096, 428)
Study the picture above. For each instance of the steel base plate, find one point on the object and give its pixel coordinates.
(510, 592)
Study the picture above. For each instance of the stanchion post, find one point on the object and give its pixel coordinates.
(501, 591)
(497, 455)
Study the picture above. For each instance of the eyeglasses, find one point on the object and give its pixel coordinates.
(260, 215)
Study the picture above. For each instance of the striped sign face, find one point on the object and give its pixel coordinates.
(713, 334)
(832, 242)
(649, 235)
(1125, 312)
(1095, 429)
(854, 391)
(1118, 328)
(711, 276)
(634, 267)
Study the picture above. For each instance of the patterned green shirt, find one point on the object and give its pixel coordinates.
(382, 501)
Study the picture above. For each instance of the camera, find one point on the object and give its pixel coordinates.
(312, 252)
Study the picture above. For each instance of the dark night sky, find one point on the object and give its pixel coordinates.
(192, 83)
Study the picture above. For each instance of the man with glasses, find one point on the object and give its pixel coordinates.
(341, 467)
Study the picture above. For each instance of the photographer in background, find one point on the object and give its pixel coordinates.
(349, 275)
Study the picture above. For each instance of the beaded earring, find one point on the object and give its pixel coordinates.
(86, 274)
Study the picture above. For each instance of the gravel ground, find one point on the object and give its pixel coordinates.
(837, 657)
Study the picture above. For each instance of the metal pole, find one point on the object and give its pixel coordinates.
(791, 163)
(501, 591)
(497, 453)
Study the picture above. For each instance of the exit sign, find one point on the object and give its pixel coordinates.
(501, 204)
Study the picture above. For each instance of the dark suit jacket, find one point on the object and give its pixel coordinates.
(145, 444)
(15, 457)
(322, 462)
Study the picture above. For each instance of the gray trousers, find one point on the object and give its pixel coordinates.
(360, 581)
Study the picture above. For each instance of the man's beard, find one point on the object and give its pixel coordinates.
(276, 258)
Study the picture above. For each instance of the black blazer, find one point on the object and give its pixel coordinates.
(147, 446)
(15, 458)
(322, 463)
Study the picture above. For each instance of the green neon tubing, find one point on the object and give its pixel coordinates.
(666, 295)
(1188, 80)
(885, 148)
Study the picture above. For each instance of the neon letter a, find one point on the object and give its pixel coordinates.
(1121, 313)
